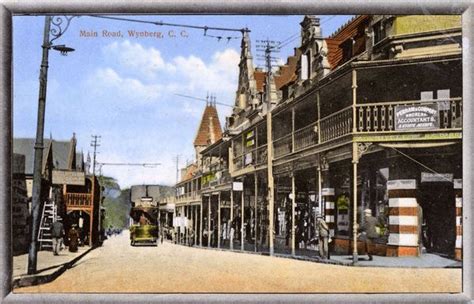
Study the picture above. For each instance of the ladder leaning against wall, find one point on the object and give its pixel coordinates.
(48, 217)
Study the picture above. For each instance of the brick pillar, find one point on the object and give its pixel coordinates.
(329, 209)
(404, 222)
(458, 201)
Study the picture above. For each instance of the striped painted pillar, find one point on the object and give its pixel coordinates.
(404, 220)
(329, 209)
(458, 198)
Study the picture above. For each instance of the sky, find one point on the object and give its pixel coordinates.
(123, 87)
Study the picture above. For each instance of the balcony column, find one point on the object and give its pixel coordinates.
(242, 218)
(195, 221)
(293, 205)
(355, 161)
(209, 221)
(403, 218)
(293, 129)
(256, 210)
(219, 220)
(328, 206)
(200, 220)
(231, 236)
(354, 100)
(318, 106)
(458, 202)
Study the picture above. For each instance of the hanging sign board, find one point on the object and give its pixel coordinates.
(436, 177)
(61, 177)
(238, 186)
(417, 117)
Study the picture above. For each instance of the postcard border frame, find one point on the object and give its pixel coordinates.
(10, 8)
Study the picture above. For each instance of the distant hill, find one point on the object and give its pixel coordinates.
(117, 202)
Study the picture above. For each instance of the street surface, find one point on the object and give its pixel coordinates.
(116, 267)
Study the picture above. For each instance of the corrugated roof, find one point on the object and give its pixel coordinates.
(60, 149)
(26, 147)
(139, 191)
(210, 129)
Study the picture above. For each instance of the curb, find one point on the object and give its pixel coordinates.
(278, 255)
(31, 280)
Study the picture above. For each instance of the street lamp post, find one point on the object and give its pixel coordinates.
(38, 156)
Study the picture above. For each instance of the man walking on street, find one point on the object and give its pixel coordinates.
(369, 232)
(57, 233)
(323, 234)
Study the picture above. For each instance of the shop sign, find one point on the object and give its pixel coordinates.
(417, 117)
(61, 177)
(401, 184)
(327, 191)
(238, 186)
(250, 143)
(342, 202)
(457, 183)
(248, 159)
(436, 177)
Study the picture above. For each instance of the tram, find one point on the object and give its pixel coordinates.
(144, 222)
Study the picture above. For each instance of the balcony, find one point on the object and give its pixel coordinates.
(373, 118)
(74, 200)
(252, 157)
(214, 179)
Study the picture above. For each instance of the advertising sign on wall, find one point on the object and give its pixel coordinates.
(417, 117)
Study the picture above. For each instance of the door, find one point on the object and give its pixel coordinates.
(439, 217)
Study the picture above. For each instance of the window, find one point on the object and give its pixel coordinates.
(347, 49)
(304, 67)
(379, 32)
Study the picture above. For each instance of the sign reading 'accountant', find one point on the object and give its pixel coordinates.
(416, 117)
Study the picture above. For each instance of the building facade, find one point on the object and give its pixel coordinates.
(367, 118)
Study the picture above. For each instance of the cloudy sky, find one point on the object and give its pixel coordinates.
(123, 87)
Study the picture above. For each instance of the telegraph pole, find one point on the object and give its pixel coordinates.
(270, 46)
(95, 143)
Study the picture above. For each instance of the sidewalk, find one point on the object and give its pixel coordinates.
(49, 266)
(426, 260)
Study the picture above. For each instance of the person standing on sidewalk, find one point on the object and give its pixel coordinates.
(369, 232)
(73, 237)
(323, 235)
(57, 234)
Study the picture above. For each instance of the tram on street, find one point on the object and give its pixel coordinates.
(144, 222)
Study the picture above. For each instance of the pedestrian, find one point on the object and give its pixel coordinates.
(369, 232)
(57, 234)
(323, 237)
(73, 237)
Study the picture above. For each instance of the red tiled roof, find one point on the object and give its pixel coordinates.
(208, 132)
(287, 72)
(351, 29)
(190, 170)
(260, 80)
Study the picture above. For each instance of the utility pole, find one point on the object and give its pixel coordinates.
(95, 143)
(177, 168)
(60, 26)
(270, 46)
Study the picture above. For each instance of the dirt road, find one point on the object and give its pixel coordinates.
(117, 268)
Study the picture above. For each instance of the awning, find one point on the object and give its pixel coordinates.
(416, 145)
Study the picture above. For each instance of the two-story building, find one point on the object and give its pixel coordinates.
(367, 118)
